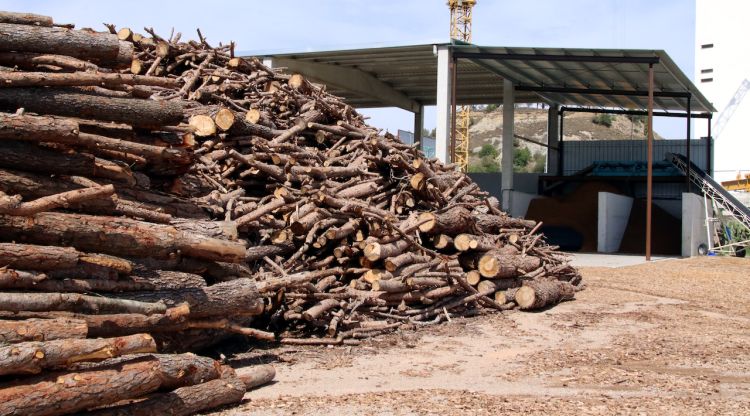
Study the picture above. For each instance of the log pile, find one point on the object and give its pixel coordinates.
(160, 195)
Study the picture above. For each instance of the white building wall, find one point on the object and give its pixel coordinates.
(720, 70)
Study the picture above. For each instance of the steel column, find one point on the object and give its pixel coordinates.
(509, 102)
(560, 145)
(418, 126)
(709, 164)
(687, 178)
(650, 162)
(454, 70)
(443, 104)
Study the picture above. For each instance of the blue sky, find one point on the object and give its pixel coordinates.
(324, 24)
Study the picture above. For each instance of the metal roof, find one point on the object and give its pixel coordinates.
(406, 76)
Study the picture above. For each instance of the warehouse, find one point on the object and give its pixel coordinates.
(567, 80)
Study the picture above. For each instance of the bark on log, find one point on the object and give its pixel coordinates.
(22, 280)
(41, 302)
(25, 19)
(73, 79)
(100, 47)
(493, 264)
(492, 224)
(29, 60)
(116, 236)
(256, 375)
(233, 298)
(63, 393)
(258, 252)
(229, 389)
(62, 200)
(377, 251)
(540, 293)
(466, 242)
(30, 157)
(12, 331)
(33, 357)
(128, 201)
(73, 103)
(24, 256)
(20, 127)
(451, 222)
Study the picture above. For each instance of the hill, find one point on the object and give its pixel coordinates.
(487, 129)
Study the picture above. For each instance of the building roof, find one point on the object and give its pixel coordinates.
(406, 76)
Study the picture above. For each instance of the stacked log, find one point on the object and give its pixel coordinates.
(159, 195)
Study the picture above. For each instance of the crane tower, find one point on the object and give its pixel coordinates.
(461, 30)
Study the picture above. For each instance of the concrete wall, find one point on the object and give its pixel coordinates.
(722, 65)
(693, 224)
(613, 216)
(522, 182)
(520, 203)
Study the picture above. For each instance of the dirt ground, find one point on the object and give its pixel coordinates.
(668, 338)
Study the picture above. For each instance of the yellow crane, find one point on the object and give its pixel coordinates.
(461, 30)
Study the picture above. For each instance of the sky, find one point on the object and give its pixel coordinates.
(302, 25)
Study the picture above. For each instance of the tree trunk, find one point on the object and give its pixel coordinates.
(33, 357)
(29, 60)
(116, 236)
(41, 329)
(73, 103)
(63, 393)
(22, 127)
(492, 224)
(30, 157)
(24, 256)
(73, 79)
(258, 252)
(451, 222)
(466, 242)
(101, 47)
(537, 294)
(236, 297)
(42, 302)
(256, 375)
(32, 281)
(128, 201)
(25, 19)
(496, 265)
(62, 200)
(183, 401)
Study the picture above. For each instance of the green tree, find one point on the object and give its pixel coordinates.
(521, 158)
(538, 163)
(429, 133)
(603, 119)
(488, 150)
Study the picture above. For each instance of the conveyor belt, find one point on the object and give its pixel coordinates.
(712, 189)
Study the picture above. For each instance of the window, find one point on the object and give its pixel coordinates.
(707, 46)
(707, 80)
(707, 71)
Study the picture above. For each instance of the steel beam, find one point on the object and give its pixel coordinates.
(599, 91)
(635, 112)
(558, 58)
(350, 79)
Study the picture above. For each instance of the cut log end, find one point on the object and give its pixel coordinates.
(203, 125)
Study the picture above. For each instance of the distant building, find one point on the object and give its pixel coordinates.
(428, 143)
(722, 71)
